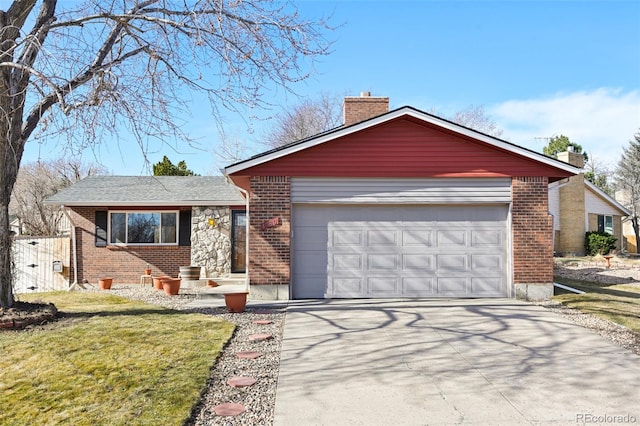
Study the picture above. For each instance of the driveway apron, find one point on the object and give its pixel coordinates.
(439, 362)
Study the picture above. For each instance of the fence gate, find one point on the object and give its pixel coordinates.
(41, 264)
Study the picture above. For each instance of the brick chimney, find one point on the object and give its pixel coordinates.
(573, 158)
(363, 107)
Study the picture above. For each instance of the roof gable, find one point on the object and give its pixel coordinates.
(148, 191)
(402, 143)
(600, 194)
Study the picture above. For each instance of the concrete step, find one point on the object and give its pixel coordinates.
(218, 292)
(221, 281)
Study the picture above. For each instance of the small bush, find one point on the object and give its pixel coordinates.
(599, 243)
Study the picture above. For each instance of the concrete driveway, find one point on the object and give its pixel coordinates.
(439, 362)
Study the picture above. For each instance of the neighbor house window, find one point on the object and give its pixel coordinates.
(605, 224)
(143, 227)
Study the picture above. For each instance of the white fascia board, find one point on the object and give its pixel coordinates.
(390, 116)
(599, 192)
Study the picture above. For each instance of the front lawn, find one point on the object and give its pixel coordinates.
(618, 303)
(110, 361)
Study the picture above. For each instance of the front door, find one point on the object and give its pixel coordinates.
(238, 241)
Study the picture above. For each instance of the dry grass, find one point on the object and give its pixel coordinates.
(110, 362)
(618, 303)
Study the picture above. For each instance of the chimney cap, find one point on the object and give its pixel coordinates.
(365, 94)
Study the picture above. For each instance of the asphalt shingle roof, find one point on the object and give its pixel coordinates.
(149, 191)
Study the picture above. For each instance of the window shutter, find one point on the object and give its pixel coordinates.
(101, 228)
(185, 228)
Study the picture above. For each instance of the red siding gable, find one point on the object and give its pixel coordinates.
(404, 147)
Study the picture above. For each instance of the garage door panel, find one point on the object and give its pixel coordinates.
(487, 239)
(382, 238)
(349, 263)
(451, 262)
(452, 238)
(486, 262)
(418, 286)
(346, 287)
(453, 286)
(486, 286)
(343, 237)
(382, 262)
(418, 263)
(414, 237)
(383, 287)
(401, 251)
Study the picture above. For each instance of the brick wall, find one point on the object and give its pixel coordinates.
(357, 109)
(269, 219)
(124, 263)
(572, 215)
(532, 231)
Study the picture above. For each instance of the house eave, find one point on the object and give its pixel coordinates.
(155, 203)
(600, 193)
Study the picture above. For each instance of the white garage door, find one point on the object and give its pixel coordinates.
(348, 251)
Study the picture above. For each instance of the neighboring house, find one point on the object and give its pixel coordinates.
(123, 223)
(60, 220)
(15, 225)
(630, 245)
(629, 236)
(399, 204)
(578, 207)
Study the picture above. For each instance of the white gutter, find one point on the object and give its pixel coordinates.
(246, 206)
(566, 287)
(74, 248)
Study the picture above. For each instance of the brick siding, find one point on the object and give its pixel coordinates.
(124, 264)
(269, 246)
(532, 231)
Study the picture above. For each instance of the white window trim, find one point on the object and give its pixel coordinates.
(111, 243)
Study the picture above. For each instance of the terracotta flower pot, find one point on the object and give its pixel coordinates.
(236, 302)
(171, 286)
(105, 283)
(157, 281)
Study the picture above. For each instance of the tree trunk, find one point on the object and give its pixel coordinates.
(6, 285)
(636, 229)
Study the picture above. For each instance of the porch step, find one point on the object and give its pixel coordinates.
(236, 279)
(218, 292)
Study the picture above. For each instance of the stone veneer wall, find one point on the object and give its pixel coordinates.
(211, 245)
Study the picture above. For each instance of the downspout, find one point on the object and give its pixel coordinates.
(246, 206)
(74, 249)
(553, 233)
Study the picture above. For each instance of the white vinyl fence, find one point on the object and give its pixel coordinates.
(41, 264)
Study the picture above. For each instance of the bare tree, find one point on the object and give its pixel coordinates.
(628, 182)
(90, 69)
(599, 174)
(232, 148)
(476, 118)
(308, 118)
(38, 181)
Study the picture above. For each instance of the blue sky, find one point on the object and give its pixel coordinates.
(539, 68)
